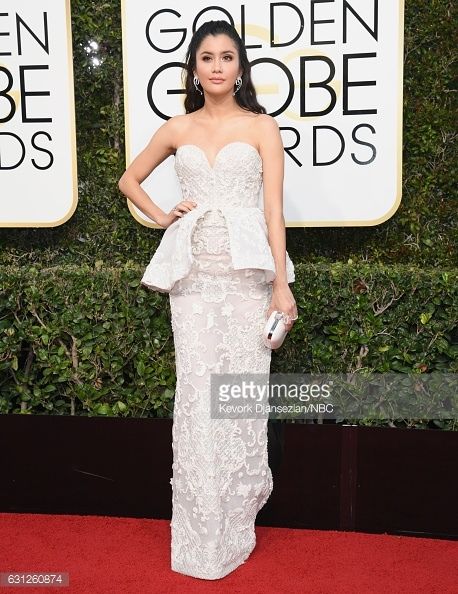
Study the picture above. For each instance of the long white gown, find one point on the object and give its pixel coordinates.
(216, 264)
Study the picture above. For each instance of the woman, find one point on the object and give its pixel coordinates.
(224, 264)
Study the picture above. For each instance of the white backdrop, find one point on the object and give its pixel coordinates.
(38, 183)
(340, 168)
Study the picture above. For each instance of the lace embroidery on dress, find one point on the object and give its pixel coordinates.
(232, 185)
(221, 478)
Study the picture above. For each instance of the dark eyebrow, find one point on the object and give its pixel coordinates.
(224, 52)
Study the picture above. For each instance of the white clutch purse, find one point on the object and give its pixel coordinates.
(275, 331)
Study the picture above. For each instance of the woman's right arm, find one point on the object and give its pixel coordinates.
(158, 149)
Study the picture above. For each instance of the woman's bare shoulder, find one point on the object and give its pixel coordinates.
(266, 123)
(180, 123)
(266, 130)
(174, 128)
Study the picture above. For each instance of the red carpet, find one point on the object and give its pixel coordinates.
(106, 555)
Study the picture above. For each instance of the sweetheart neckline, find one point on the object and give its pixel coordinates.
(212, 167)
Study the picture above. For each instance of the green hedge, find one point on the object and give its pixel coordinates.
(78, 340)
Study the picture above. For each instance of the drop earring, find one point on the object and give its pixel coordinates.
(196, 84)
(238, 84)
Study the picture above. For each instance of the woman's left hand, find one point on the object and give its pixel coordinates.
(283, 300)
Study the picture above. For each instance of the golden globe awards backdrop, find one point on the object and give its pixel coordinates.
(38, 179)
(329, 71)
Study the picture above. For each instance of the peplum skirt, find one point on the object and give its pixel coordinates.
(221, 477)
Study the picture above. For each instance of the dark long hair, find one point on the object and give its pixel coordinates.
(246, 96)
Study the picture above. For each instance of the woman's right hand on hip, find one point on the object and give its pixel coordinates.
(178, 211)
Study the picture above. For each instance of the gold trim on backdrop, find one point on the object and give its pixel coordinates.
(327, 223)
(397, 202)
(72, 143)
(128, 151)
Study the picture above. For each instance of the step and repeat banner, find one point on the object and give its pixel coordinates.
(329, 71)
(38, 178)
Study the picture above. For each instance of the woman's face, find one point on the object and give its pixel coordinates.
(217, 64)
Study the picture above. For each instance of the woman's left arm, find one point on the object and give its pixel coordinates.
(272, 154)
